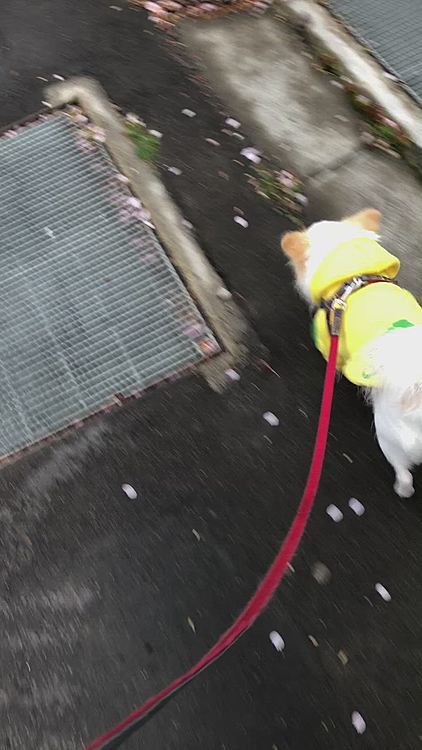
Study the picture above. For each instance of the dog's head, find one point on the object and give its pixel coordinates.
(307, 249)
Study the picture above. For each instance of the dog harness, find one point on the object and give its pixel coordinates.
(372, 309)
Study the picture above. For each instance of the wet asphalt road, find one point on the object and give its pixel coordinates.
(97, 589)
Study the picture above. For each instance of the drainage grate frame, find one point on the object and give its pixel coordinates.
(391, 31)
(92, 311)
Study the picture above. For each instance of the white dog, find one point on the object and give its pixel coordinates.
(380, 347)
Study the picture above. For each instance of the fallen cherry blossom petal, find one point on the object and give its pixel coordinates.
(122, 178)
(382, 591)
(174, 170)
(133, 202)
(152, 7)
(133, 119)
(390, 123)
(367, 138)
(334, 513)
(81, 119)
(143, 215)
(158, 10)
(223, 293)
(232, 374)
(162, 22)
(155, 133)
(277, 640)
(212, 141)
(356, 506)
(47, 104)
(271, 419)
(358, 722)
(321, 573)
(188, 112)
(99, 135)
(57, 77)
(191, 624)
(194, 330)
(129, 491)
(194, 11)
(232, 123)
(343, 657)
(252, 154)
(196, 535)
(287, 179)
(171, 5)
(240, 220)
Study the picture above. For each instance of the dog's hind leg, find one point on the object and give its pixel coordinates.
(403, 486)
(390, 436)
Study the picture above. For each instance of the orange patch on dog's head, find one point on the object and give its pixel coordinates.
(369, 219)
(295, 246)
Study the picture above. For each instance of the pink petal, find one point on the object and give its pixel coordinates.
(232, 123)
(251, 153)
(271, 419)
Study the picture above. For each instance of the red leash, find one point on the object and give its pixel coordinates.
(119, 733)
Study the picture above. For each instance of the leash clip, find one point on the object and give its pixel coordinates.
(335, 315)
(336, 306)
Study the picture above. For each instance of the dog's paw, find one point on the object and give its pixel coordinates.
(404, 490)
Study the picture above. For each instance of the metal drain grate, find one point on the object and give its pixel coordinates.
(392, 30)
(90, 306)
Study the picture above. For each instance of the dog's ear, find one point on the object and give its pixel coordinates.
(295, 245)
(369, 218)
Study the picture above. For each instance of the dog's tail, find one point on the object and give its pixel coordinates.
(397, 357)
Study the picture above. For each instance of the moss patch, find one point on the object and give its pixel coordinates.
(146, 144)
(378, 130)
(283, 188)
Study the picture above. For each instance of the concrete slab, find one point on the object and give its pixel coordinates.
(262, 69)
(305, 123)
(371, 179)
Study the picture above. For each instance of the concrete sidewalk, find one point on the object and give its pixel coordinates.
(302, 120)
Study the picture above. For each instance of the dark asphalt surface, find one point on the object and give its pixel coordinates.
(97, 589)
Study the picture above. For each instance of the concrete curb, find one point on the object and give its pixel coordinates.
(323, 28)
(202, 281)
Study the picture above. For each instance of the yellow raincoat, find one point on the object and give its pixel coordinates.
(370, 311)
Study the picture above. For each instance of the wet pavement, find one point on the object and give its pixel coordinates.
(105, 598)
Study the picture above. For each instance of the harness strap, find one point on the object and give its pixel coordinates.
(352, 285)
(335, 306)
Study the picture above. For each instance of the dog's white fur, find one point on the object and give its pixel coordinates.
(397, 403)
